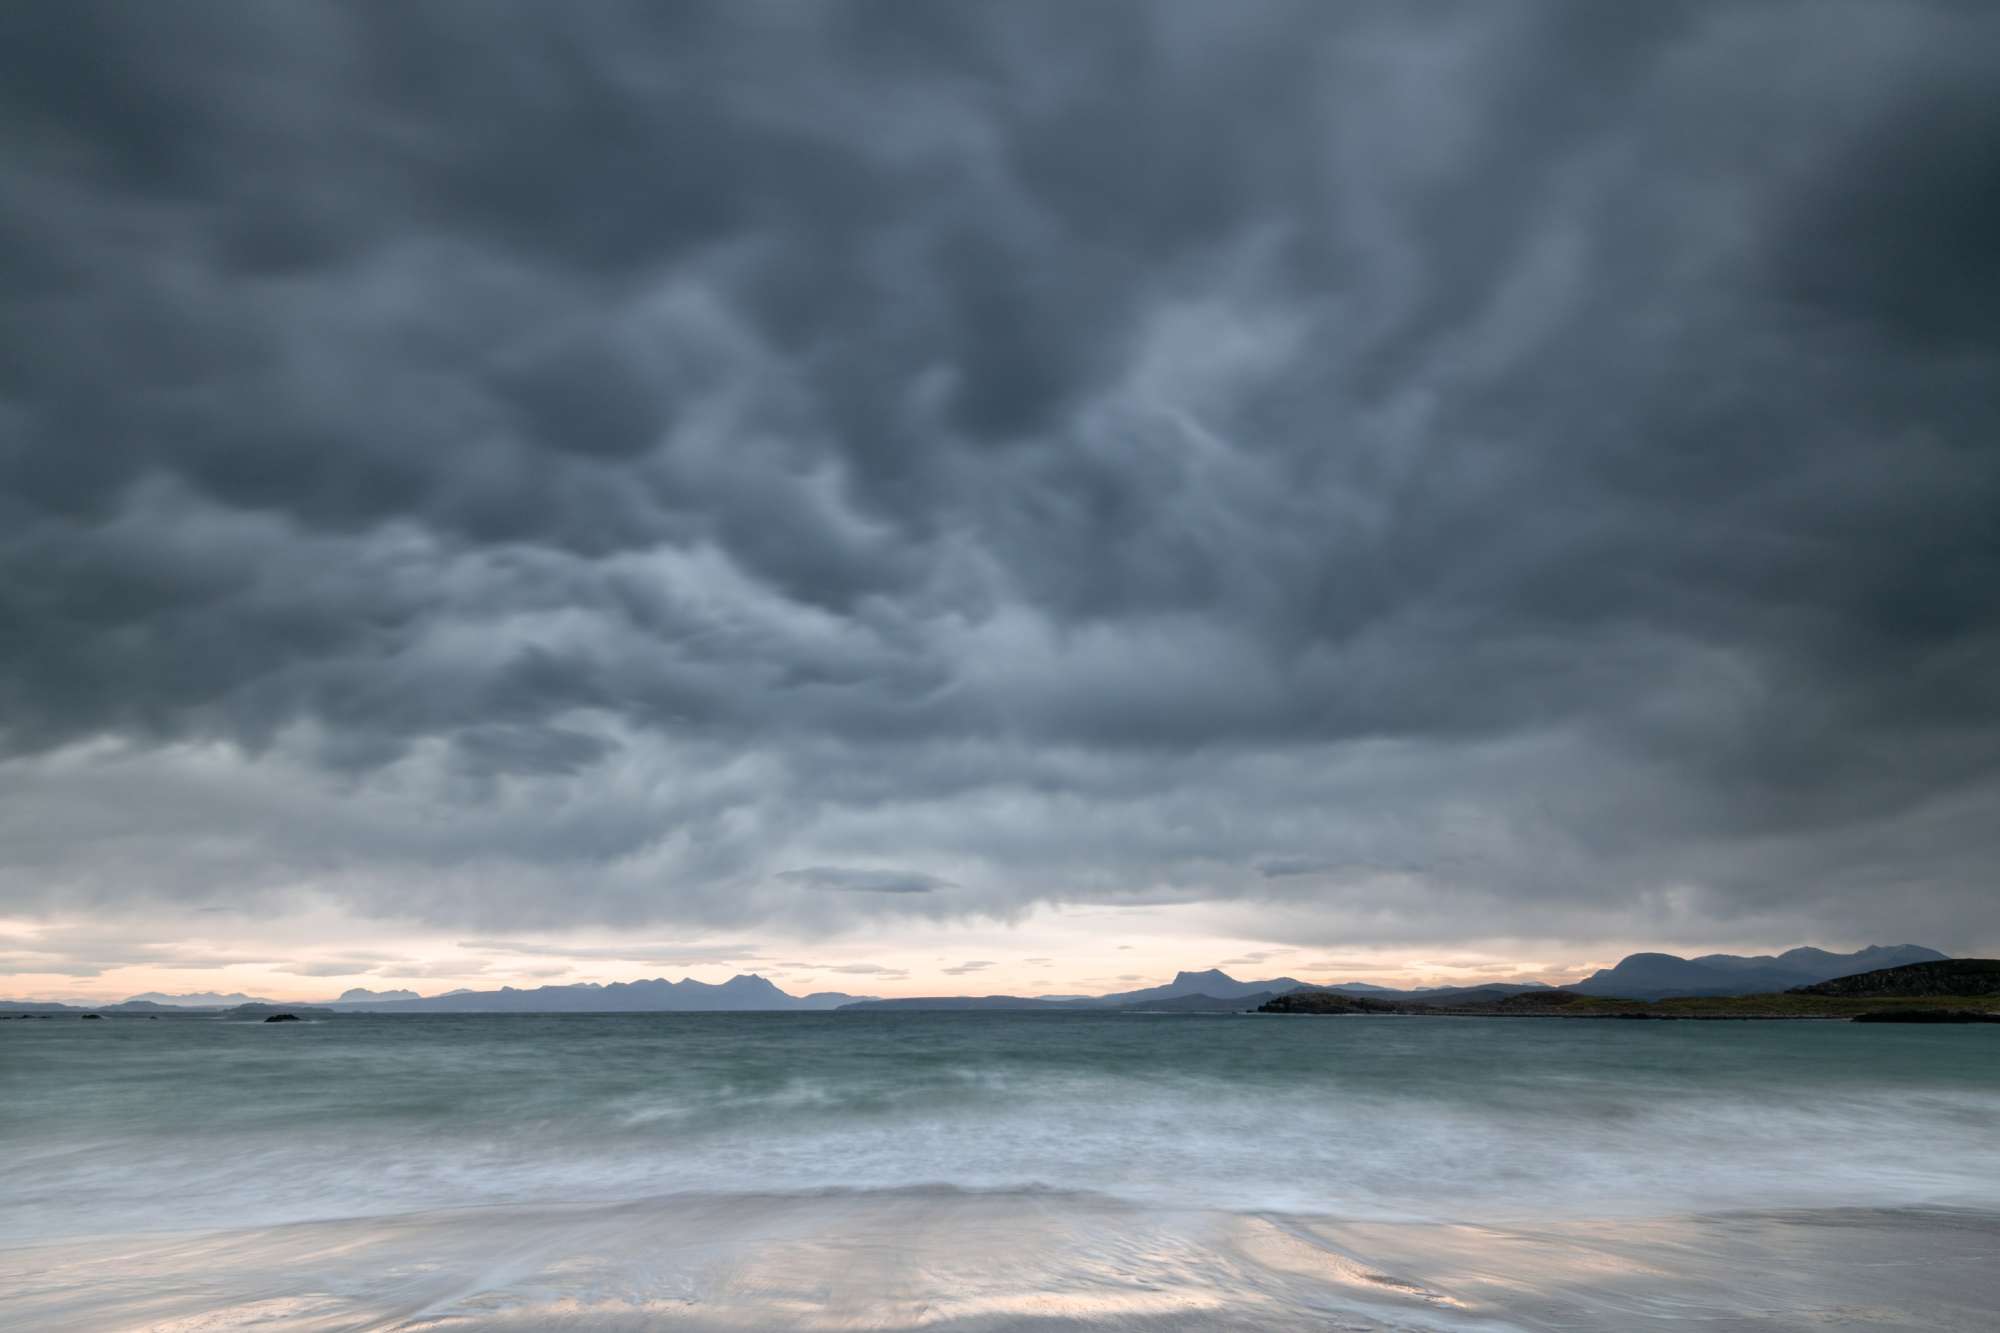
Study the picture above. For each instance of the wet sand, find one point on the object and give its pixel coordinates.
(961, 1261)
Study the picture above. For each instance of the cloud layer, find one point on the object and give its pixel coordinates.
(1417, 472)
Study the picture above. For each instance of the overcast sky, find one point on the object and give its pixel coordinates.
(821, 488)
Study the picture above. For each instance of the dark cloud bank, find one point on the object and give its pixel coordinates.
(1420, 471)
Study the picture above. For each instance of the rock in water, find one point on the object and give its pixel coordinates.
(282, 1018)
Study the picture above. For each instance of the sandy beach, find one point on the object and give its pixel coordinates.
(952, 1260)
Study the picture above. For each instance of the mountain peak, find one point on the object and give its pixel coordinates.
(646, 995)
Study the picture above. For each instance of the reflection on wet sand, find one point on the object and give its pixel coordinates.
(949, 1260)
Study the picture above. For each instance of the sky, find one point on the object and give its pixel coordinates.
(1027, 497)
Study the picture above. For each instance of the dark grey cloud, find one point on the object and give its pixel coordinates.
(1513, 468)
(853, 879)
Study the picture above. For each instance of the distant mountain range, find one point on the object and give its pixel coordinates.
(125, 1007)
(741, 993)
(1659, 976)
(1202, 992)
(1948, 990)
(1214, 983)
(1641, 976)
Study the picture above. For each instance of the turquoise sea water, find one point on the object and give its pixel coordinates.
(129, 1125)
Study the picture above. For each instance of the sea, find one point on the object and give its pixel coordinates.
(996, 1170)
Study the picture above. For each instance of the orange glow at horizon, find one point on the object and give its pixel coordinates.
(1087, 951)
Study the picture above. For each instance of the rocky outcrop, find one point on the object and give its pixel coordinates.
(1926, 1016)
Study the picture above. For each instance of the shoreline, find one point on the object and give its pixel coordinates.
(1915, 1010)
(945, 1259)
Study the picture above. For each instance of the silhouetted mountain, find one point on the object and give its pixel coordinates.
(1642, 976)
(1196, 992)
(1217, 984)
(742, 993)
(1819, 964)
(1214, 983)
(1653, 976)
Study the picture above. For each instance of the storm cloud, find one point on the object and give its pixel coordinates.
(1415, 472)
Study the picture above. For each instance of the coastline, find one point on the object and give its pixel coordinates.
(948, 1259)
(1723, 1008)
